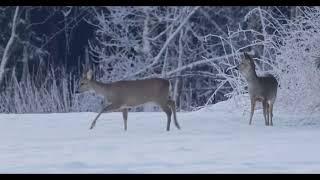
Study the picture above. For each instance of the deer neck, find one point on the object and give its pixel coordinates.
(252, 77)
(99, 87)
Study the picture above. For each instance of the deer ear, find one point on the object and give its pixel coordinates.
(246, 55)
(84, 70)
(89, 74)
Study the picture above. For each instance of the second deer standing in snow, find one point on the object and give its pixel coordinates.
(261, 88)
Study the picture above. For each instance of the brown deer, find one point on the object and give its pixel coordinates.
(125, 94)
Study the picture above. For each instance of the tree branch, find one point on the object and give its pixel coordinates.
(199, 63)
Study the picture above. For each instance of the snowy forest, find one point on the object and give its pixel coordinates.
(44, 51)
(204, 67)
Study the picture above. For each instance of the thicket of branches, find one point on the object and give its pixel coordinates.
(168, 42)
(195, 47)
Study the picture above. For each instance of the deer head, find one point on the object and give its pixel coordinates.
(85, 82)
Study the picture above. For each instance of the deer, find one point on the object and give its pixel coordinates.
(130, 93)
(261, 88)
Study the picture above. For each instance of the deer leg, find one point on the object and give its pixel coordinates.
(172, 105)
(125, 117)
(268, 113)
(253, 104)
(264, 105)
(271, 113)
(168, 111)
(108, 108)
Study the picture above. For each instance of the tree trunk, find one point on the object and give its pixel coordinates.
(6, 53)
(176, 85)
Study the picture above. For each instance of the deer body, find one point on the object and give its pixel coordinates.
(125, 94)
(133, 93)
(262, 89)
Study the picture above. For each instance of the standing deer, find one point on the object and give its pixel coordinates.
(125, 94)
(261, 88)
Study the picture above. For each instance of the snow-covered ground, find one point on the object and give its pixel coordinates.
(216, 139)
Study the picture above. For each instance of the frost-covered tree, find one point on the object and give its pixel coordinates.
(8, 46)
(40, 87)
